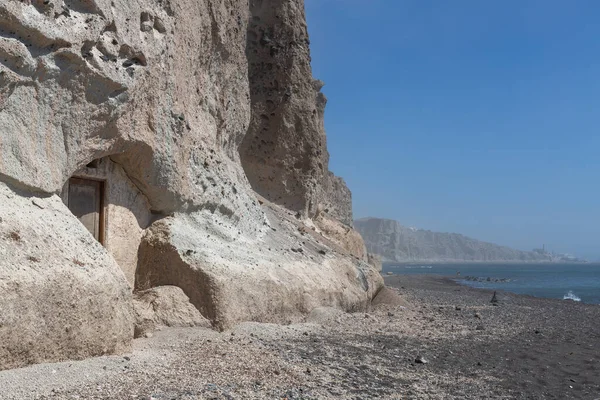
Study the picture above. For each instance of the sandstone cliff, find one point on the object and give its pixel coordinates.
(175, 114)
(395, 242)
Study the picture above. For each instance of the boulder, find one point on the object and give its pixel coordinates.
(62, 296)
(251, 278)
(165, 306)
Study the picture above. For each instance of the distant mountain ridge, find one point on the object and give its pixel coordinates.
(395, 242)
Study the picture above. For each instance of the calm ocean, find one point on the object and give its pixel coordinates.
(579, 282)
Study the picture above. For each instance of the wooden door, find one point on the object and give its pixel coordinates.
(85, 202)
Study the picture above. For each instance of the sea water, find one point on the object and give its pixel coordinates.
(578, 282)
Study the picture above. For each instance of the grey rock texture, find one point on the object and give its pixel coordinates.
(338, 200)
(394, 242)
(285, 153)
(172, 99)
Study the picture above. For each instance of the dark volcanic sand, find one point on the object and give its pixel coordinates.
(539, 348)
(525, 348)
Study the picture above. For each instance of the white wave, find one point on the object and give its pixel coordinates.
(571, 296)
(418, 267)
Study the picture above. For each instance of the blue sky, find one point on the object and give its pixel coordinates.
(468, 116)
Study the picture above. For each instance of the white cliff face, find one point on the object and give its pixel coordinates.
(395, 242)
(160, 92)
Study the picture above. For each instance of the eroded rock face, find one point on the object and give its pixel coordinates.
(231, 278)
(166, 95)
(62, 296)
(88, 79)
(285, 153)
(164, 306)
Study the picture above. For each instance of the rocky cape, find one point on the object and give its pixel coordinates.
(397, 243)
(202, 126)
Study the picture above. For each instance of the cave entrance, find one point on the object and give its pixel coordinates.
(105, 200)
(86, 202)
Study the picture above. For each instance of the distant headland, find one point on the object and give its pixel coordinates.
(396, 243)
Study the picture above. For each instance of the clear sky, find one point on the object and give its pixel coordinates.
(469, 116)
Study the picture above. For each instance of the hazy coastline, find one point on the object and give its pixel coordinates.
(501, 262)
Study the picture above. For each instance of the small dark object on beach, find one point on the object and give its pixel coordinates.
(458, 308)
(390, 314)
(421, 360)
(480, 328)
(477, 315)
(494, 299)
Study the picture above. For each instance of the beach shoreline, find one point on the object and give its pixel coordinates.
(426, 337)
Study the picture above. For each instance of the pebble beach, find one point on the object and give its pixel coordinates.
(425, 337)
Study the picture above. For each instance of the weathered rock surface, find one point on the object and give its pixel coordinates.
(165, 306)
(61, 295)
(231, 278)
(167, 103)
(395, 242)
(342, 234)
(285, 152)
(375, 261)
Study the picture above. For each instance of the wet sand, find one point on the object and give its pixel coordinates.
(425, 338)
